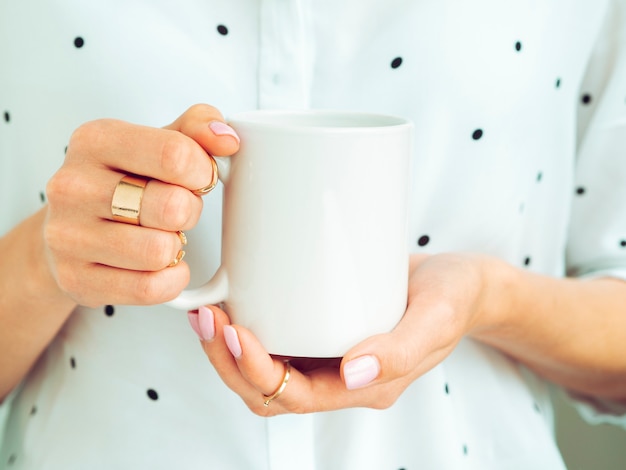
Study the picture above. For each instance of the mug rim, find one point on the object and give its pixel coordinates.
(328, 120)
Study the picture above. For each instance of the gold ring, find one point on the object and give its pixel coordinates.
(281, 388)
(179, 257)
(126, 202)
(182, 237)
(207, 189)
(181, 254)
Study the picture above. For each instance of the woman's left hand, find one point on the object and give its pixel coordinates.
(448, 298)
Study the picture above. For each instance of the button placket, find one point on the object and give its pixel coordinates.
(286, 52)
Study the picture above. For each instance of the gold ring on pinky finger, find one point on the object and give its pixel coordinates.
(126, 202)
(281, 387)
(179, 257)
(182, 237)
(208, 188)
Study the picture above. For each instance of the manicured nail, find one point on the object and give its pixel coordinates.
(192, 315)
(232, 341)
(220, 128)
(360, 371)
(206, 323)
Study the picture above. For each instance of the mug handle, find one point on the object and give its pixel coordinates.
(216, 289)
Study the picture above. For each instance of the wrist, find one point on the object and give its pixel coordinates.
(39, 281)
(500, 284)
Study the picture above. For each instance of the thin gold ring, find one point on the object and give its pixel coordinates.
(181, 253)
(207, 189)
(178, 259)
(281, 388)
(126, 202)
(182, 237)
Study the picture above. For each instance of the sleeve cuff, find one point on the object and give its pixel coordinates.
(597, 410)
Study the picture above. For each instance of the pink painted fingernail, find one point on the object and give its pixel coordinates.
(206, 323)
(220, 128)
(232, 341)
(360, 371)
(192, 316)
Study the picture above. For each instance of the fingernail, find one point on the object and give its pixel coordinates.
(360, 371)
(206, 323)
(220, 128)
(192, 316)
(232, 341)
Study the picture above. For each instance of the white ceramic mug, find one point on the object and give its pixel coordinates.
(314, 237)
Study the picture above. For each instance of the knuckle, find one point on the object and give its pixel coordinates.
(385, 402)
(175, 155)
(157, 251)
(55, 236)
(153, 288)
(176, 209)
(68, 279)
(402, 362)
(200, 110)
(148, 289)
(60, 185)
(86, 136)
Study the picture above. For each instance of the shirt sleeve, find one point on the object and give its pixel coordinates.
(597, 232)
(597, 236)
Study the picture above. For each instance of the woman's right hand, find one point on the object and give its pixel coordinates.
(96, 260)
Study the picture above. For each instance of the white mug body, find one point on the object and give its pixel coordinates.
(315, 219)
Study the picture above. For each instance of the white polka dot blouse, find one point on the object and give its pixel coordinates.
(520, 152)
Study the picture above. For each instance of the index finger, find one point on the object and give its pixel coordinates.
(162, 154)
(176, 154)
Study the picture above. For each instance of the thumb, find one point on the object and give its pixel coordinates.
(205, 124)
(377, 360)
(425, 336)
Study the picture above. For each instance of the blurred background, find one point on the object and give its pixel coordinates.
(588, 447)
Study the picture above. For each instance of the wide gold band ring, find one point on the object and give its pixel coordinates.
(281, 388)
(208, 188)
(126, 202)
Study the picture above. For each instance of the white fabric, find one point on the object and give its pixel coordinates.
(516, 71)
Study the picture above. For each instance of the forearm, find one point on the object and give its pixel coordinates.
(573, 332)
(32, 308)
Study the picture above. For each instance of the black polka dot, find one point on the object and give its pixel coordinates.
(537, 409)
(527, 261)
(447, 389)
(223, 30)
(109, 310)
(42, 196)
(586, 98)
(465, 450)
(477, 134)
(580, 190)
(65, 151)
(423, 240)
(518, 46)
(11, 460)
(33, 410)
(539, 176)
(152, 394)
(557, 84)
(72, 363)
(79, 42)
(622, 243)
(7, 116)
(397, 62)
